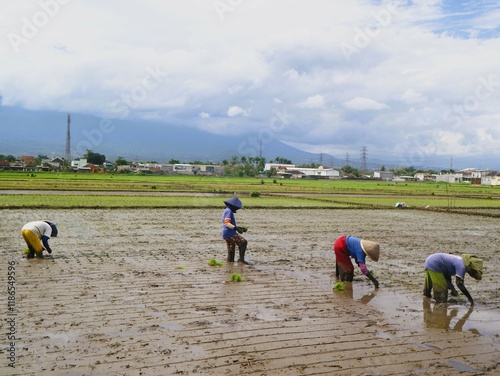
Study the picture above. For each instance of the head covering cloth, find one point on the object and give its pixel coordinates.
(473, 262)
(54, 228)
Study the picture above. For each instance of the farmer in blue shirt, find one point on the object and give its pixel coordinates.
(347, 247)
(440, 267)
(231, 232)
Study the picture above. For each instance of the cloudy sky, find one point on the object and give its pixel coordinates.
(408, 80)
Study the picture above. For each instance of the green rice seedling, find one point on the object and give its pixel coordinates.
(236, 277)
(339, 286)
(214, 262)
(180, 267)
(26, 251)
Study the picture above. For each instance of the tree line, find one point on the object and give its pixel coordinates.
(240, 166)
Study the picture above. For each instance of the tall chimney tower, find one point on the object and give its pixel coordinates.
(68, 141)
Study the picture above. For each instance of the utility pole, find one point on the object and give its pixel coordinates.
(363, 159)
(68, 141)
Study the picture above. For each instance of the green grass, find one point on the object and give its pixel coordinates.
(149, 191)
(35, 200)
(421, 202)
(110, 201)
(182, 183)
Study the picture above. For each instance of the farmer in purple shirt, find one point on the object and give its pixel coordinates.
(440, 267)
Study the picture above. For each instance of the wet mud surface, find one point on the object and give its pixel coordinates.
(130, 292)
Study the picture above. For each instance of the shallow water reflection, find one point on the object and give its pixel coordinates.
(439, 315)
(413, 311)
(348, 292)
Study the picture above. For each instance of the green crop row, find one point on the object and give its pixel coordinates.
(128, 201)
(36, 200)
(212, 184)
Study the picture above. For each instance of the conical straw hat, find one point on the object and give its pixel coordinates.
(372, 249)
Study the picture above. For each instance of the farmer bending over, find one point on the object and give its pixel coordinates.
(440, 267)
(231, 232)
(348, 246)
(36, 235)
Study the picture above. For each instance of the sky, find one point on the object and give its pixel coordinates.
(405, 81)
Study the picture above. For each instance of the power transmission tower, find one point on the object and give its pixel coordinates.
(68, 141)
(363, 159)
(321, 159)
(347, 159)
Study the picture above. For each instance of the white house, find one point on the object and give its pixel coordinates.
(384, 175)
(79, 163)
(183, 168)
(450, 178)
(423, 176)
(492, 178)
(277, 166)
(473, 175)
(325, 173)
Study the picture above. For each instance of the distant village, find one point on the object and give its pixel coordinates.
(26, 163)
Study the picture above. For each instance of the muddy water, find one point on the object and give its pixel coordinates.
(130, 292)
(414, 311)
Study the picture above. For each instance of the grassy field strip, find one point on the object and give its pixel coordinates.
(107, 201)
(420, 202)
(247, 185)
(11, 201)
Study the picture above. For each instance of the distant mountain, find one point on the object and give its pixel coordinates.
(24, 132)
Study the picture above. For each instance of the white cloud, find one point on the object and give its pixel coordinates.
(411, 96)
(316, 101)
(360, 103)
(234, 111)
(412, 65)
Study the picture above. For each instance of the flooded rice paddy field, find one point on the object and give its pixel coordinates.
(130, 292)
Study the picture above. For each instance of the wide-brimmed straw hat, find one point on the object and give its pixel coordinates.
(372, 249)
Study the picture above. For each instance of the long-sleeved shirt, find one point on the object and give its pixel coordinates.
(447, 264)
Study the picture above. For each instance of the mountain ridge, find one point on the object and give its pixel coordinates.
(35, 132)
